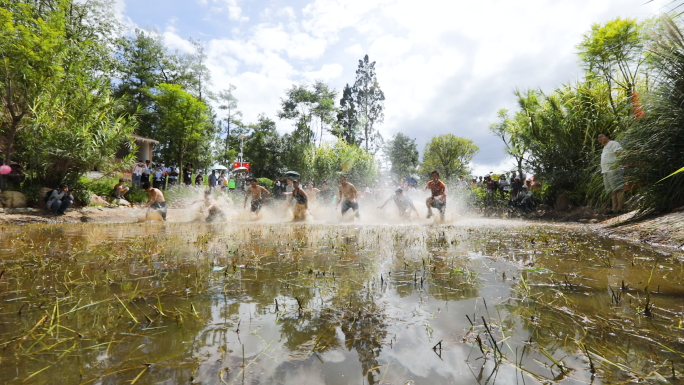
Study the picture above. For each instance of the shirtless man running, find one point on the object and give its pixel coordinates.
(348, 195)
(156, 200)
(438, 198)
(255, 191)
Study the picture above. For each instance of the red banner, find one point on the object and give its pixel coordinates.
(243, 164)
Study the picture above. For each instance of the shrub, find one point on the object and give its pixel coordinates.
(266, 183)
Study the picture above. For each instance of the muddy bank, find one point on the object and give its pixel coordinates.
(663, 230)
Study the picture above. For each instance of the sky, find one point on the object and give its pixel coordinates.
(445, 66)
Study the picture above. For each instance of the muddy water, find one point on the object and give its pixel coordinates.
(466, 303)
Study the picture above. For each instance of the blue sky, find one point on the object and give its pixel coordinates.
(445, 66)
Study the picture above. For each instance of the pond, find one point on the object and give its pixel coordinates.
(472, 302)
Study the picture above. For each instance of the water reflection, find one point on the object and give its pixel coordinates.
(335, 304)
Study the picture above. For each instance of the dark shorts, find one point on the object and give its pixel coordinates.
(256, 204)
(215, 215)
(346, 205)
(438, 205)
(161, 207)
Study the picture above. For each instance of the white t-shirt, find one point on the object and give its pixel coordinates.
(609, 156)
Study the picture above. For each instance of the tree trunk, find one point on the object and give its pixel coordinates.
(10, 139)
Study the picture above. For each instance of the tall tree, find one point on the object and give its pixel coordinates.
(307, 106)
(32, 41)
(143, 65)
(185, 122)
(347, 126)
(510, 130)
(324, 110)
(263, 148)
(403, 154)
(615, 53)
(370, 102)
(228, 103)
(448, 154)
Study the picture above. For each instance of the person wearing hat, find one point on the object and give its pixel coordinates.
(404, 204)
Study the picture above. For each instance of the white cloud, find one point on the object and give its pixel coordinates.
(445, 67)
(287, 12)
(296, 44)
(234, 10)
(174, 42)
(355, 50)
(326, 73)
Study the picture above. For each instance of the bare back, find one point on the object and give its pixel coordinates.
(155, 195)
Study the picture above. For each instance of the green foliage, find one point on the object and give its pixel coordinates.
(559, 130)
(263, 148)
(312, 108)
(184, 123)
(653, 146)
(101, 186)
(137, 195)
(403, 154)
(448, 154)
(511, 132)
(30, 34)
(370, 103)
(614, 53)
(73, 131)
(268, 183)
(330, 161)
(56, 72)
(347, 125)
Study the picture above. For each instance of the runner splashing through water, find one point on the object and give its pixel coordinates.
(348, 196)
(438, 198)
(156, 200)
(302, 201)
(403, 203)
(255, 192)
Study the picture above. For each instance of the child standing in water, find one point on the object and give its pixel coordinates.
(156, 200)
(255, 191)
(302, 201)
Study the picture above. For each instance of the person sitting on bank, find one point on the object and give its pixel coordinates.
(120, 190)
(156, 200)
(60, 200)
(199, 179)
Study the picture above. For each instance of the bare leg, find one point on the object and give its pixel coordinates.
(620, 199)
(613, 198)
(428, 203)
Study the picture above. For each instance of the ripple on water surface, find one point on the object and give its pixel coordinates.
(467, 303)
